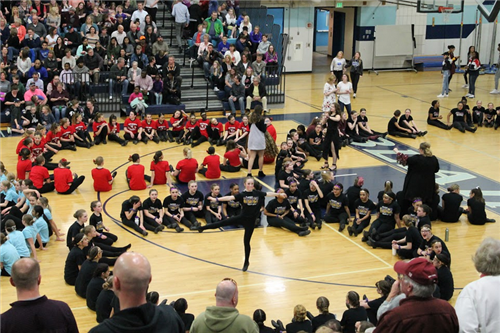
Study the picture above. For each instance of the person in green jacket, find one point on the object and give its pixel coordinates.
(214, 28)
(224, 317)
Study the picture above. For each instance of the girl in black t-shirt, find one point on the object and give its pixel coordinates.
(232, 208)
(460, 118)
(172, 206)
(478, 112)
(294, 196)
(213, 209)
(96, 221)
(406, 121)
(75, 258)
(364, 207)
(312, 197)
(476, 206)
(131, 214)
(337, 209)
(154, 218)
(193, 203)
(286, 176)
(434, 117)
(250, 203)
(489, 115)
(315, 139)
(450, 211)
(387, 216)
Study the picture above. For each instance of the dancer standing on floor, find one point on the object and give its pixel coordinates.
(250, 211)
(331, 143)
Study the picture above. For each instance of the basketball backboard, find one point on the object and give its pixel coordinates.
(440, 6)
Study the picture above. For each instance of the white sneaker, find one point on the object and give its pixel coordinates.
(9, 130)
(440, 95)
(110, 97)
(446, 95)
(465, 86)
(494, 91)
(216, 89)
(354, 95)
(470, 96)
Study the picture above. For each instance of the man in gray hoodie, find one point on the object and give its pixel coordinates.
(224, 317)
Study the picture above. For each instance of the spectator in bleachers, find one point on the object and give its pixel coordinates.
(82, 80)
(152, 8)
(4, 83)
(104, 37)
(113, 51)
(139, 14)
(14, 100)
(263, 45)
(128, 47)
(181, 15)
(234, 54)
(4, 31)
(37, 26)
(171, 89)
(81, 11)
(244, 23)
(242, 43)
(227, 64)
(69, 59)
(100, 50)
(255, 38)
(72, 38)
(150, 37)
(118, 76)
(237, 95)
(140, 57)
(58, 98)
(94, 63)
(134, 34)
(145, 84)
(59, 49)
(82, 48)
(21, 29)
(214, 27)
(96, 16)
(53, 19)
(231, 23)
(223, 46)
(259, 67)
(92, 36)
(67, 77)
(197, 40)
(149, 22)
(13, 45)
(159, 45)
(161, 59)
(43, 53)
(133, 73)
(256, 93)
(271, 59)
(35, 78)
(145, 47)
(152, 70)
(5, 63)
(85, 28)
(33, 42)
(34, 91)
(243, 65)
(51, 65)
(119, 34)
(174, 68)
(209, 56)
(202, 47)
(51, 37)
(216, 76)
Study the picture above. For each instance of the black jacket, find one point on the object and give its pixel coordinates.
(262, 90)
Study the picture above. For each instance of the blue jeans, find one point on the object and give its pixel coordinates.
(123, 83)
(59, 112)
(446, 75)
(347, 107)
(240, 100)
(13, 52)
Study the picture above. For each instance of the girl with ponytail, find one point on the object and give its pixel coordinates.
(135, 174)
(103, 178)
(160, 170)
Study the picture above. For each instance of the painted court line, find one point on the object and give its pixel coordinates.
(359, 245)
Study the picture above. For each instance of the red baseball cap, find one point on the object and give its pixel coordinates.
(419, 270)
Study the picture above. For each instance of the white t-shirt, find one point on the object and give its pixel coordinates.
(343, 87)
(337, 64)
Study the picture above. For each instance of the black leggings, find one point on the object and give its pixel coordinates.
(172, 221)
(358, 228)
(16, 215)
(74, 185)
(248, 224)
(131, 224)
(101, 137)
(229, 168)
(342, 218)
(286, 223)
(380, 227)
(384, 240)
(437, 123)
(192, 216)
(355, 80)
(115, 138)
(127, 136)
(46, 188)
(401, 134)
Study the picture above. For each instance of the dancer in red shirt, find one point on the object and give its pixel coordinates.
(215, 132)
(80, 131)
(185, 169)
(114, 131)
(177, 123)
(231, 130)
(200, 132)
(100, 128)
(160, 171)
(232, 160)
(40, 177)
(24, 164)
(135, 174)
(133, 129)
(149, 129)
(66, 182)
(212, 163)
(103, 178)
(162, 129)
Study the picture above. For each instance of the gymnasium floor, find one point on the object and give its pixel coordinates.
(286, 270)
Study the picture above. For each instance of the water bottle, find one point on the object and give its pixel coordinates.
(394, 252)
(447, 235)
(137, 220)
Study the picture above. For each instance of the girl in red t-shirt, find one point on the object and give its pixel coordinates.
(212, 163)
(82, 136)
(149, 129)
(242, 136)
(135, 174)
(114, 131)
(66, 136)
(40, 177)
(189, 128)
(100, 129)
(133, 129)
(103, 179)
(24, 164)
(162, 129)
(160, 170)
(177, 123)
(232, 161)
(185, 170)
(66, 182)
(215, 133)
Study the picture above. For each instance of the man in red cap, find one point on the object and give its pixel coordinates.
(419, 311)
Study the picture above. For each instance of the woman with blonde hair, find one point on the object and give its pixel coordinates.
(329, 91)
(420, 178)
(300, 322)
(107, 303)
(185, 170)
(256, 140)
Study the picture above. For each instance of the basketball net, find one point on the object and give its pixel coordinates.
(446, 11)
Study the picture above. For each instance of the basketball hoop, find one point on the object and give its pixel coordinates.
(446, 11)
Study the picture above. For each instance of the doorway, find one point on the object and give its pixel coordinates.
(338, 33)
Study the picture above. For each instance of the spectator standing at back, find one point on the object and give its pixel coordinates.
(33, 312)
(224, 317)
(479, 302)
(140, 14)
(181, 14)
(131, 278)
(214, 27)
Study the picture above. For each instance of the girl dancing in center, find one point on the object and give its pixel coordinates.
(249, 200)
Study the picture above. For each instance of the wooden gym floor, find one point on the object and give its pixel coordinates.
(286, 270)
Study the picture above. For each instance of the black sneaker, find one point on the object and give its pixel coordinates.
(342, 227)
(261, 174)
(245, 266)
(135, 142)
(144, 233)
(349, 230)
(179, 229)
(105, 141)
(304, 233)
(124, 143)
